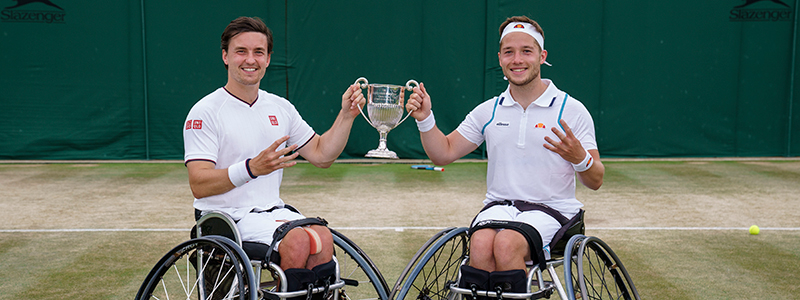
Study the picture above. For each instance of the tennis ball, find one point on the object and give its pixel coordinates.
(754, 230)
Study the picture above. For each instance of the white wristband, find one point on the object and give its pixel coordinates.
(239, 174)
(426, 124)
(584, 165)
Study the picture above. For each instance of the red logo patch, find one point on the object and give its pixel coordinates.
(540, 125)
(197, 124)
(519, 26)
(188, 125)
(273, 120)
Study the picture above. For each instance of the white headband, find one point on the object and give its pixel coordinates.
(525, 28)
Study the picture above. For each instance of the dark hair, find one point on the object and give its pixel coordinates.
(245, 24)
(522, 19)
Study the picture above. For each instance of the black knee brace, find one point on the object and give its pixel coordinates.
(325, 275)
(299, 279)
(475, 280)
(512, 281)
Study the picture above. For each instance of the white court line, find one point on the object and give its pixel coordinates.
(399, 229)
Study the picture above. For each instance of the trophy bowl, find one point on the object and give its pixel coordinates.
(385, 106)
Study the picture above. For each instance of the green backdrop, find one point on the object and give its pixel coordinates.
(115, 79)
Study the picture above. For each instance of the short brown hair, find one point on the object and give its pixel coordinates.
(522, 19)
(245, 24)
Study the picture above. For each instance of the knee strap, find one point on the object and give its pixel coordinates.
(529, 232)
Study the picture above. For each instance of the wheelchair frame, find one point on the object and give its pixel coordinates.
(591, 271)
(217, 235)
(432, 274)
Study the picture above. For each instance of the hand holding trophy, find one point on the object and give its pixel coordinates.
(385, 105)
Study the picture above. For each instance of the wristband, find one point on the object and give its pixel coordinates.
(239, 173)
(584, 165)
(426, 124)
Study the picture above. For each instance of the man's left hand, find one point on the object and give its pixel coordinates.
(568, 146)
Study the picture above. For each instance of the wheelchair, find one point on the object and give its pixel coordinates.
(591, 270)
(217, 264)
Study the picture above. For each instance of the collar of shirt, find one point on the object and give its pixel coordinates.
(545, 100)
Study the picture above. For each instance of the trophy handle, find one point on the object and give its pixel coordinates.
(408, 84)
(410, 88)
(363, 83)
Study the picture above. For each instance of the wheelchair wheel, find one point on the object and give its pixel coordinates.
(362, 278)
(202, 268)
(593, 271)
(434, 268)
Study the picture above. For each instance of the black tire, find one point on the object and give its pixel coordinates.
(434, 268)
(176, 274)
(593, 271)
(362, 278)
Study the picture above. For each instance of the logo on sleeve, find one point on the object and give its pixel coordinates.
(194, 124)
(273, 120)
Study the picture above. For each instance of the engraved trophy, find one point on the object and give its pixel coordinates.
(385, 106)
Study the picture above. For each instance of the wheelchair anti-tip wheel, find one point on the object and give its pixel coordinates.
(434, 268)
(202, 268)
(593, 271)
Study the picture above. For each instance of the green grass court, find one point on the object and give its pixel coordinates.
(93, 231)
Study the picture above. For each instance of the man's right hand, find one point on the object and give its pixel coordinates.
(419, 103)
(270, 160)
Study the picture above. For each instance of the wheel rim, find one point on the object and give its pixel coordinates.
(221, 275)
(598, 275)
(439, 270)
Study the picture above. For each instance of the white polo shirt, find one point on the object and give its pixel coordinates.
(520, 167)
(225, 130)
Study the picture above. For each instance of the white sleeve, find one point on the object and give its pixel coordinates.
(200, 138)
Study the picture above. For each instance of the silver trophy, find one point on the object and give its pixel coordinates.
(385, 109)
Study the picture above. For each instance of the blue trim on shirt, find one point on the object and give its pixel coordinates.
(499, 100)
(562, 111)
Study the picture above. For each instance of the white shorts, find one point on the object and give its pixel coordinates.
(259, 227)
(546, 225)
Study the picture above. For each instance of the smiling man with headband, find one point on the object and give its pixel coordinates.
(537, 139)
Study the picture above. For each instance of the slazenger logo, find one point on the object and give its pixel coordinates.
(748, 12)
(12, 14)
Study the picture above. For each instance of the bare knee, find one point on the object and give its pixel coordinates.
(481, 249)
(510, 250)
(294, 249)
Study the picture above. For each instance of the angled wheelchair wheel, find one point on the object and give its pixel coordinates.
(434, 267)
(201, 268)
(593, 271)
(362, 278)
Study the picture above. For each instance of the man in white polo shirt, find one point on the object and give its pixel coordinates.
(537, 138)
(239, 138)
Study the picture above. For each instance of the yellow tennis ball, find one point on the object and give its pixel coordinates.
(754, 230)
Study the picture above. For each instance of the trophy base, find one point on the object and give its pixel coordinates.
(382, 153)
